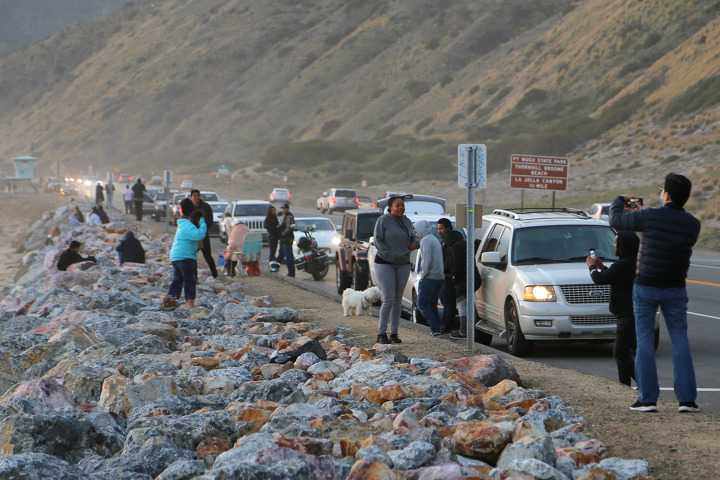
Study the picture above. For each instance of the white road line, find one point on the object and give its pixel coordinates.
(670, 389)
(702, 315)
(704, 266)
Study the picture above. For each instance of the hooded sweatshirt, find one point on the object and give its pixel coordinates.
(431, 256)
(621, 274)
(393, 238)
(130, 249)
(186, 240)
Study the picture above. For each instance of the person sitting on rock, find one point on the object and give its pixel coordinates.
(103, 215)
(72, 255)
(130, 249)
(94, 217)
(77, 218)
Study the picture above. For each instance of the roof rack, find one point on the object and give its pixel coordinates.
(517, 213)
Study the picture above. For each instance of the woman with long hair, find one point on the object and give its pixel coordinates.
(272, 225)
(394, 239)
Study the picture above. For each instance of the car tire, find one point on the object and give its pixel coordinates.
(360, 281)
(342, 279)
(516, 342)
(415, 314)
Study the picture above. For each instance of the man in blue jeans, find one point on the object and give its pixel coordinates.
(431, 276)
(286, 238)
(668, 235)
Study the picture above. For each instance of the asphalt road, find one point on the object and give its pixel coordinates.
(596, 359)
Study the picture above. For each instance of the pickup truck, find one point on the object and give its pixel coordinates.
(351, 262)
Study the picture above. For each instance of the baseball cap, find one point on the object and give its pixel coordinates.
(284, 205)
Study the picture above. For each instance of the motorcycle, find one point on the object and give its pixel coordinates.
(311, 259)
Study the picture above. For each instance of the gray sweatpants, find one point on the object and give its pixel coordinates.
(392, 280)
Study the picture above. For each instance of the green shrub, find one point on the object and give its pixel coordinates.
(329, 127)
(703, 94)
(432, 44)
(312, 153)
(455, 118)
(533, 95)
(670, 159)
(422, 124)
(417, 88)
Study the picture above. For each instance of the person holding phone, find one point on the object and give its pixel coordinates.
(621, 278)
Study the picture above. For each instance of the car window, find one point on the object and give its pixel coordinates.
(345, 193)
(209, 197)
(423, 207)
(248, 210)
(366, 226)
(364, 199)
(561, 243)
(218, 207)
(320, 224)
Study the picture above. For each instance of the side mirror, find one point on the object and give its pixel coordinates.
(348, 233)
(492, 259)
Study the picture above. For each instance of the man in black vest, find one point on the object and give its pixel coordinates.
(207, 212)
(138, 197)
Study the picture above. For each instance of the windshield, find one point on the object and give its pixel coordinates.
(366, 226)
(412, 208)
(364, 199)
(345, 193)
(209, 197)
(562, 244)
(218, 207)
(251, 210)
(320, 224)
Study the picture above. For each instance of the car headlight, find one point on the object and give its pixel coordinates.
(539, 293)
(335, 240)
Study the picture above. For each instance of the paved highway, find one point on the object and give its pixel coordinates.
(703, 318)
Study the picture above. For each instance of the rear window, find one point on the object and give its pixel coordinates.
(320, 225)
(366, 226)
(251, 210)
(218, 207)
(364, 199)
(345, 193)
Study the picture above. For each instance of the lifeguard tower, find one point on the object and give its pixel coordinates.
(24, 174)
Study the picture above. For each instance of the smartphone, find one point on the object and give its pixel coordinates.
(592, 253)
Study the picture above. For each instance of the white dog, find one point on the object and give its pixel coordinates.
(358, 303)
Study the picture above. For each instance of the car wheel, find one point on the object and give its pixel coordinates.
(342, 279)
(415, 314)
(516, 343)
(360, 281)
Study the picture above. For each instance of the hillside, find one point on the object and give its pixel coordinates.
(376, 90)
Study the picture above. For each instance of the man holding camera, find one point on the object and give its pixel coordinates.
(669, 233)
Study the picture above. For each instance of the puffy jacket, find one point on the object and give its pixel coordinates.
(431, 257)
(621, 274)
(186, 239)
(669, 233)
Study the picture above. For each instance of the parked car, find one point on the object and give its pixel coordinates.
(535, 282)
(125, 177)
(320, 200)
(366, 202)
(218, 209)
(280, 195)
(156, 180)
(338, 199)
(252, 212)
(601, 211)
(186, 185)
(161, 203)
(351, 259)
(324, 234)
(174, 210)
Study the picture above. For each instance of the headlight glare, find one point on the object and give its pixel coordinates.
(539, 293)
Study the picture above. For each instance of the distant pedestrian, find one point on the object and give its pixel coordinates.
(272, 225)
(99, 197)
(447, 296)
(128, 199)
(621, 277)
(183, 254)
(287, 236)
(394, 239)
(207, 212)
(138, 198)
(130, 249)
(669, 233)
(109, 189)
(431, 276)
(72, 255)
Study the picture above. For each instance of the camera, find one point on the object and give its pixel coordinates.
(592, 253)
(634, 202)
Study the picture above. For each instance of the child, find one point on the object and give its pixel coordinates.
(183, 253)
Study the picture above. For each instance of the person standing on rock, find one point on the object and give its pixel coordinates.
(207, 212)
(621, 277)
(394, 239)
(109, 189)
(128, 200)
(183, 254)
(669, 233)
(99, 197)
(138, 198)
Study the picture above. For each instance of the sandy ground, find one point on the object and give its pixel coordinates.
(677, 446)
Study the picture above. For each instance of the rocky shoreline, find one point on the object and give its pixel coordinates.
(101, 382)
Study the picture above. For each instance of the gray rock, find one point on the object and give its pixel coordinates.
(625, 469)
(531, 466)
(539, 448)
(414, 455)
(374, 375)
(182, 470)
(374, 453)
(147, 344)
(246, 453)
(38, 466)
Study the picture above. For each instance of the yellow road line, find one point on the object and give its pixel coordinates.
(703, 283)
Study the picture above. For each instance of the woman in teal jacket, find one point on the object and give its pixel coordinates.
(183, 254)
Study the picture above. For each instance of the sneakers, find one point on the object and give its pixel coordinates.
(383, 339)
(686, 407)
(644, 407)
(458, 335)
(394, 338)
(437, 334)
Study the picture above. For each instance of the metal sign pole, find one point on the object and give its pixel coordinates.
(470, 250)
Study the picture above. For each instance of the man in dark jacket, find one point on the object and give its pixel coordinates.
(286, 238)
(669, 233)
(138, 198)
(130, 249)
(207, 212)
(621, 277)
(447, 297)
(72, 255)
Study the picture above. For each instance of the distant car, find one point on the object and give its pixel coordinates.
(366, 202)
(320, 200)
(324, 234)
(218, 209)
(156, 180)
(338, 199)
(251, 212)
(186, 184)
(280, 195)
(125, 177)
(174, 211)
(161, 201)
(600, 211)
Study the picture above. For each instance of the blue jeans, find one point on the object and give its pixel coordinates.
(272, 245)
(286, 251)
(427, 298)
(184, 276)
(673, 303)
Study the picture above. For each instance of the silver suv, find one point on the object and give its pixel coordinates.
(338, 199)
(535, 282)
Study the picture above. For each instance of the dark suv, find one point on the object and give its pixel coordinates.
(351, 262)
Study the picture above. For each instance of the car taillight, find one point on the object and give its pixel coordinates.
(357, 200)
(373, 205)
(289, 195)
(332, 199)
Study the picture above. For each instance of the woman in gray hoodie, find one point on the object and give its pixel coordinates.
(394, 239)
(431, 276)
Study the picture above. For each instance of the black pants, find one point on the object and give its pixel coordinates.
(447, 297)
(208, 256)
(624, 349)
(138, 209)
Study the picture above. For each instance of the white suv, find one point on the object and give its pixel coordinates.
(535, 282)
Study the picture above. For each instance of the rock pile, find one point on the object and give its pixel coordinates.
(103, 382)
